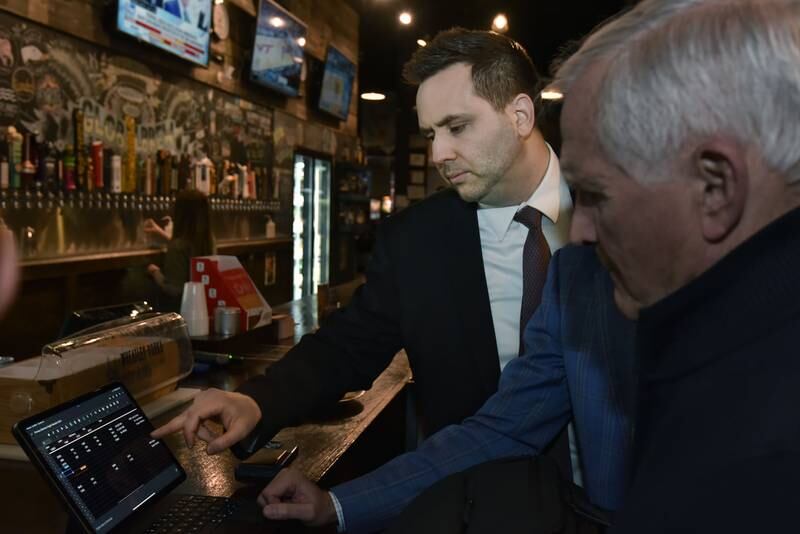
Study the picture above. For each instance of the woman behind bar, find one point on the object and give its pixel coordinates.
(191, 237)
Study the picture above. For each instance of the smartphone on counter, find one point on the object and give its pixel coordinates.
(265, 464)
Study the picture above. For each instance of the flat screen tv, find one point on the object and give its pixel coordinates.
(177, 26)
(278, 49)
(337, 84)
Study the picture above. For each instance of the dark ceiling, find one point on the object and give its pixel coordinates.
(543, 27)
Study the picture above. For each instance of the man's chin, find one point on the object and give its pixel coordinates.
(626, 304)
(467, 193)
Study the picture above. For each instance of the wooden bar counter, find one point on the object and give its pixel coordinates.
(350, 439)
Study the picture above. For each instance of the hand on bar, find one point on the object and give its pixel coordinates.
(291, 495)
(238, 414)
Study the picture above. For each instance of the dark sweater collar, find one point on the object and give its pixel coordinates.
(735, 301)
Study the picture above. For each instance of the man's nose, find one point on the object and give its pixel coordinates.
(442, 151)
(582, 229)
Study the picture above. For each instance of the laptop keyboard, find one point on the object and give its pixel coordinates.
(193, 513)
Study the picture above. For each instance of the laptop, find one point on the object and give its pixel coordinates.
(97, 454)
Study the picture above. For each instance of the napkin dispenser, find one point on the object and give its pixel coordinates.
(149, 354)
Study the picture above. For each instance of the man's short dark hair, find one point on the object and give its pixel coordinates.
(501, 68)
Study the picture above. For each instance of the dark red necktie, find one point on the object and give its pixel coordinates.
(535, 257)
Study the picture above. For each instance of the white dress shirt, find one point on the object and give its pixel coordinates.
(502, 241)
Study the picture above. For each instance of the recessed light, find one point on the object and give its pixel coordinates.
(374, 97)
(552, 94)
(422, 42)
(405, 18)
(500, 23)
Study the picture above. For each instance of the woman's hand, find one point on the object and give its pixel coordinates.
(155, 273)
(152, 227)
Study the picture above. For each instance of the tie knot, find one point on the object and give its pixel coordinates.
(530, 217)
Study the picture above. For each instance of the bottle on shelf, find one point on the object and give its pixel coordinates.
(98, 165)
(4, 172)
(129, 173)
(184, 172)
(50, 166)
(14, 157)
(69, 169)
(4, 176)
(116, 173)
(212, 178)
(108, 154)
(59, 155)
(79, 147)
(175, 175)
(251, 182)
(202, 180)
(149, 176)
(38, 157)
(27, 169)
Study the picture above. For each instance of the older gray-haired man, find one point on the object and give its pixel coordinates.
(681, 139)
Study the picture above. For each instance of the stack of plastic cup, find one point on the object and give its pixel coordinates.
(193, 308)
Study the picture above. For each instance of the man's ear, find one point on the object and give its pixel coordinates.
(523, 114)
(721, 167)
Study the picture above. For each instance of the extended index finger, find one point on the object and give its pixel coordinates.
(174, 425)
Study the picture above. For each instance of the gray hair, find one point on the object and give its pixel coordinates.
(685, 69)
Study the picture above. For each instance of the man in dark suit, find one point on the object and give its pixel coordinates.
(445, 281)
(578, 364)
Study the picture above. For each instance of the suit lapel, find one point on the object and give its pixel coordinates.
(464, 271)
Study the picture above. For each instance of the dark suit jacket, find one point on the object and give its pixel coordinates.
(425, 292)
(578, 364)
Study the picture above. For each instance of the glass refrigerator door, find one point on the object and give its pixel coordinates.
(322, 217)
(311, 224)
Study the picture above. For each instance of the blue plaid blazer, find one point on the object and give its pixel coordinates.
(577, 365)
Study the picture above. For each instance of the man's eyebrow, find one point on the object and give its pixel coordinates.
(584, 182)
(453, 118)
(444, 121)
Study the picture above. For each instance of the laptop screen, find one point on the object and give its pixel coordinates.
(98, 451)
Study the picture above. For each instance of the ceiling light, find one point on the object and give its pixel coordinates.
(219, 2)
(301, 41)
(277, 22)
(422, 42)
(374, 97)
(405, 18)
(552, 94)
(500, 23)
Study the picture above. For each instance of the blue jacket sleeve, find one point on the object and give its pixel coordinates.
(530, 407)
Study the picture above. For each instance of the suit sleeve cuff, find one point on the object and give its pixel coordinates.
(340, 526)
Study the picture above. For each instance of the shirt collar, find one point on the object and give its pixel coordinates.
(546, 199)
